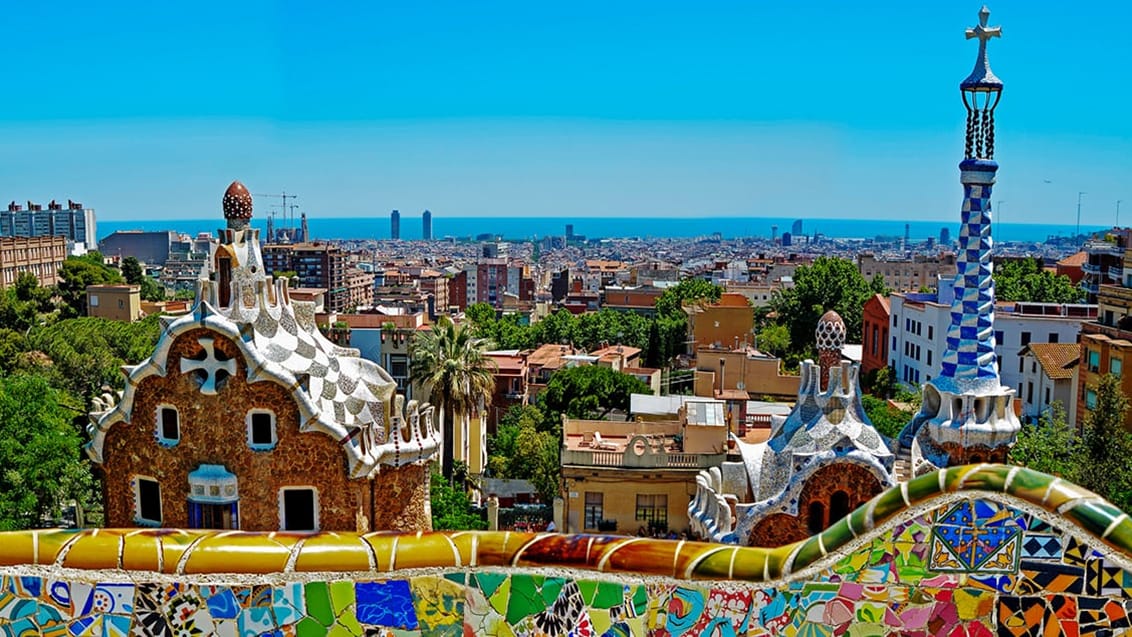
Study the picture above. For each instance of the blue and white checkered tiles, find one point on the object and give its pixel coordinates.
(970, 337)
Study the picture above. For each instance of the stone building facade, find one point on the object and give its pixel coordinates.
(246, 417)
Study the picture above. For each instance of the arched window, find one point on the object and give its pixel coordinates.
(838, 506)
(817, 518)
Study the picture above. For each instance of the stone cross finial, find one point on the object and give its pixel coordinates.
(211, 364)
(982, 31)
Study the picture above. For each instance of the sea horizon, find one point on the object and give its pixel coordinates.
(528, 228)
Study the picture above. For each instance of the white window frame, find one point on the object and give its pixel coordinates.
(283, 508)
(274, 432)
(160, 425)
(135, 484)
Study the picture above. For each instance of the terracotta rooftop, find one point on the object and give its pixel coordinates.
(1074, 259)
(1055, 358)
(549, 355)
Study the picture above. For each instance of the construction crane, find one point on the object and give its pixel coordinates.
(284, 197)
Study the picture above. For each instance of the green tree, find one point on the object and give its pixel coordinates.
(132, 271)
(449, 361)
(1105, 464)
(40, 453)
(12, 344)
(74, 277)
(888, 420)
(1026, 280)
(524, 449)
(83, 354)
(451, 507)
(594, 330)
(588, 392)
(882, 382)
(1050, 446)
(558, 327)
(829, 283)
(774, 339)
(671, 302)
(670, 327)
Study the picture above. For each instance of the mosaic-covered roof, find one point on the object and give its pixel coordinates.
(337, 392)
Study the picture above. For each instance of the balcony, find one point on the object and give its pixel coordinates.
(631, 459)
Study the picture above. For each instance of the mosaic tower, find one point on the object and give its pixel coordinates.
(966, 414)
(970, 353)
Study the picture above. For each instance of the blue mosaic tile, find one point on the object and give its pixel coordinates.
(388, 604)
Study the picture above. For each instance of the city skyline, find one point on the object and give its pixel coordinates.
(585, 111)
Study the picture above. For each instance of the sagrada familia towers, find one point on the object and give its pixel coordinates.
(825, 458)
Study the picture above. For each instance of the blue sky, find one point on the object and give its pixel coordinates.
(821, 109)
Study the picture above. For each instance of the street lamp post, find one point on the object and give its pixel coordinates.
(1078, 233)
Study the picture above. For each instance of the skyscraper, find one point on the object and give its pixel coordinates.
(426, 226)
(796, 229)
(395, 225)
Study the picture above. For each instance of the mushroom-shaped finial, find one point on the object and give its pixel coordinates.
(237, 205)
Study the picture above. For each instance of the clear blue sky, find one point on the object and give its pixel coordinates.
(827, 109)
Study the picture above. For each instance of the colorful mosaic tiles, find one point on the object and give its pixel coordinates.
(959, 563)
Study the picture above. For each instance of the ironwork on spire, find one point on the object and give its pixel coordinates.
(970, 353)
(981, 92)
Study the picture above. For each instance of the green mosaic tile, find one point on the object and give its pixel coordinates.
(888, 504)
(318, 603)
(640, 600)
(459, 578)
(551, 587)
(808, 553)
(587, 588)
(608, 595)
(1096, 516)
(308, 627)
(341, 596)
(526, 597)
(347, 624)
(489, 582)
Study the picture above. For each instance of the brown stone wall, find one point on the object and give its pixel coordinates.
(778, 529)
(856, 481)
(213, 431)
(960, 455)
(400, 499)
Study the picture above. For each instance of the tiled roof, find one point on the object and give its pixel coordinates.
(1055, 358)
(1074, 259)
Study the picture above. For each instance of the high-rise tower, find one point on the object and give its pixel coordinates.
(426, 226)
(967, 414)
(395, 225)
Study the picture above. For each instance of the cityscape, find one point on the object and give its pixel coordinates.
(262, 419)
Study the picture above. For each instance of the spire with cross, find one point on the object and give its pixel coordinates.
(981, 92)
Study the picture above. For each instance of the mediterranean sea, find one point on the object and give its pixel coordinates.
(524, 228)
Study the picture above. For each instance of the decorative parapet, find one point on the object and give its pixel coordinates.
(969, 550)
(1048, 555)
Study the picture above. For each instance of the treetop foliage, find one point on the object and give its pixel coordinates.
(829, 283)
(1026, 280)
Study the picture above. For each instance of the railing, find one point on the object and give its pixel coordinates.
(630, 459)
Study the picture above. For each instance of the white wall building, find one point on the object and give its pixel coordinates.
(1048, 374)
(919, 334)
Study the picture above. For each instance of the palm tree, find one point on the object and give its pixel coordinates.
(452, 366)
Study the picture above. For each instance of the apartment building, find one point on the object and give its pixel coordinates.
(918, 333)
(40, 256)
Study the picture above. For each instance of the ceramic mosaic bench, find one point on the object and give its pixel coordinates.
(976, 550)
